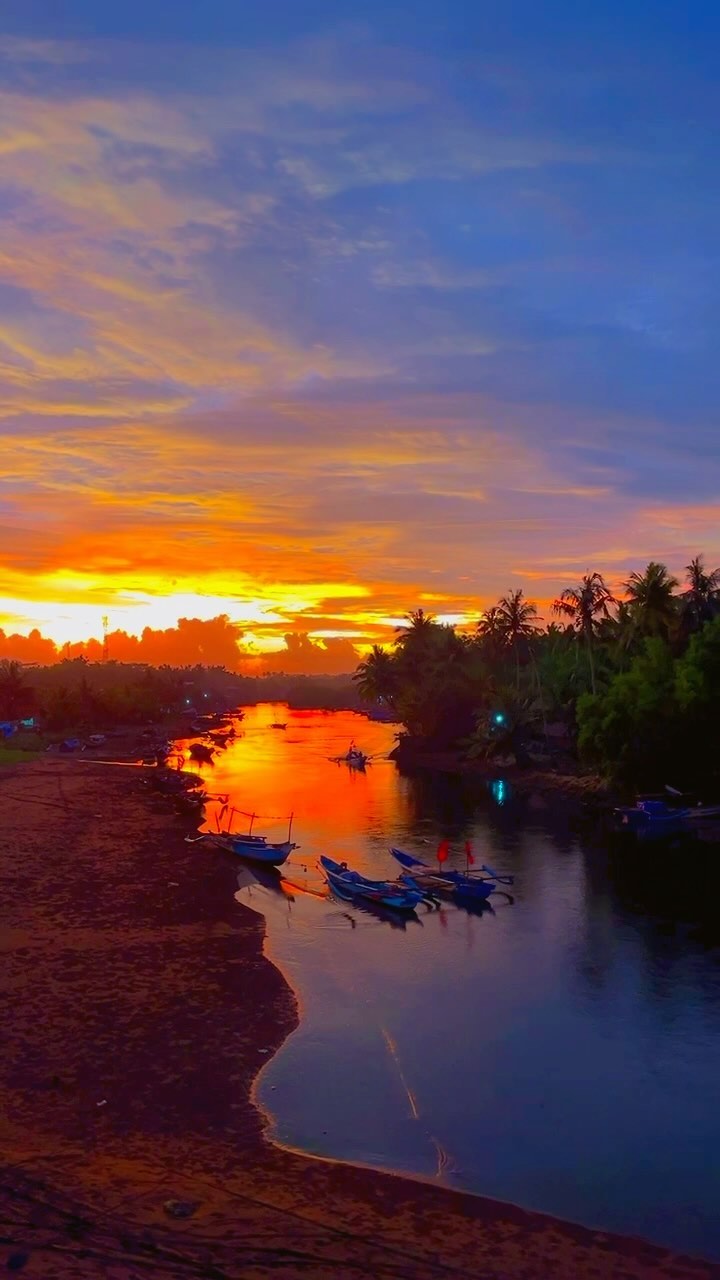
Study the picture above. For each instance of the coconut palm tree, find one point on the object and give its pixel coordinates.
(506, 624)
(514, 619)
(586, 605)
(417, 623)
(701, 601)
(376, 676)
(491, 632)
(653, 608)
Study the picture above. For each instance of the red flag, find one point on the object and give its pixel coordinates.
(469, 853)
(442, 851)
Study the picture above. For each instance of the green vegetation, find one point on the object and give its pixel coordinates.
(77, 696)
(628, 688)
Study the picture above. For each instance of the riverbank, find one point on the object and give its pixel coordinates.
(138, 1009)
(570, 782)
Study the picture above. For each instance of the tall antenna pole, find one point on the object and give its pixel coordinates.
(105, 637)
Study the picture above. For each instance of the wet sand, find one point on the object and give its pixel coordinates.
(134, 1002)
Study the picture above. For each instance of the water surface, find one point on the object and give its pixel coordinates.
(560, 1052)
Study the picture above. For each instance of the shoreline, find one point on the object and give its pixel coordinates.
(139, 994)
(584, 786)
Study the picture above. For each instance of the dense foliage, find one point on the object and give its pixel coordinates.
(629, 688)
(77, 695)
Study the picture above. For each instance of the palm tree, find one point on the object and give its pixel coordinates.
(701, 601)
(652, 605)
(586, 605)
(516, 620)
(376, 676)
(417, 623)
(521, 714)
(489, 625)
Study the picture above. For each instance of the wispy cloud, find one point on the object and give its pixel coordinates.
(341, 315)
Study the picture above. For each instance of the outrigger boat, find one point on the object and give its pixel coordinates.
(670, 813)
(385, 893)
(439, 886)
(447, 882)
(256, 848)
(650, 818)
(253, 847)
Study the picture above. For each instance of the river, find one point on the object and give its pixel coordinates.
(560, 1051)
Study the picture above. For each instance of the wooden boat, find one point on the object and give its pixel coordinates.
(650, 817)
(439, 886)
(254, 848)
(354, 757)
(276, 724)
(389, 915)
(449, 882)
(695, 809)
(388, 894)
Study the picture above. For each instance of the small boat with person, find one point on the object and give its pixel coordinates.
(350, 884)
(354, 757)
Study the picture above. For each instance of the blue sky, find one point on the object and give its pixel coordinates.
(395, 299)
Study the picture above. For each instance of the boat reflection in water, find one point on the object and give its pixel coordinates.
(386, 915)
(249, 877)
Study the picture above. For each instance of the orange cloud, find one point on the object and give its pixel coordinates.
(185, 431)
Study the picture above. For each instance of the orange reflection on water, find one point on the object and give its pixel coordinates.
(274, 773)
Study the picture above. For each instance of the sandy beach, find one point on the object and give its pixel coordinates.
(137, 1009)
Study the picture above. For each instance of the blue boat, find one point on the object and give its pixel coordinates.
(389, 915)
(347, 882)
(457, 884)
(650, 818)
(259, 849)
(439, 886)
(254, 847)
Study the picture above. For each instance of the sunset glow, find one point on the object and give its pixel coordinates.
(309, 327)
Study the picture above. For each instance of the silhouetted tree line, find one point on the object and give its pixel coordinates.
(213, 642)
(90, 696)
(630, 687)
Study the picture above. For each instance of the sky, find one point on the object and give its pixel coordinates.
(311, 314)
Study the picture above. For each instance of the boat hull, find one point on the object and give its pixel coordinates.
(256, 849)
(350, 882)
(647, 819)
(447, 883)
(459, 891)
(271, 854)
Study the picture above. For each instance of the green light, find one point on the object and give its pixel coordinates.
(499, 718)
